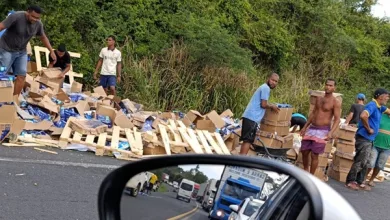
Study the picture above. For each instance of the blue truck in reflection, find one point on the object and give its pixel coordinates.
(235, 185)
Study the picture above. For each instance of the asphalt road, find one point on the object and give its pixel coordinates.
(155, 206)
(39, 185)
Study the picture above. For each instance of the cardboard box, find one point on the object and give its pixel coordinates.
(31, 67)
(76, 87)
(51, 78)
(346, 132)
(345, 146)
(284, 114)
(281, 128)
(216, 119)
(207, 125)
(271, 140)
(342, 162)
(337, 174)
(9, 121)
(132, 106)
(6, 91)
(191, 117)
(322, 159)
(288, 141)
(328, 147)
(227, 113)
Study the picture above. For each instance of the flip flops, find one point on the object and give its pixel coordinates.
(365, 187)
(352, 186)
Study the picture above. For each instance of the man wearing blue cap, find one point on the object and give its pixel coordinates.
(356, 110)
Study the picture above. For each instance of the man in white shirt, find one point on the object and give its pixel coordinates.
(110, 60)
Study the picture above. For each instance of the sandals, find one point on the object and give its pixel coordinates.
(352, 186)
(365, 187)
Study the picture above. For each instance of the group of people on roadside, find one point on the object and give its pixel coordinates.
(372, 140)
(21, 26)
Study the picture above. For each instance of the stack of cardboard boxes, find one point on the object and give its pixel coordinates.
(345, 151)
(274, 129)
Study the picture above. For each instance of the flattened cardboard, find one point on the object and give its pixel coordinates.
(48, 104)
(56, 131)
(51, 73)
(284, 114)
(29, 80)
(207, 125)
(76, 87)
(81, 106)
(6, 91)
(7, 114)
(122, 120)
(227, 113)
(132, 106)
(32, 67)
(43, 125)
(167, 115)
(62, 96)
(100, 90)
(23, 114)
(216, 119)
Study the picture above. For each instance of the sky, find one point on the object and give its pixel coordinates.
(381, 9)
(211, 171)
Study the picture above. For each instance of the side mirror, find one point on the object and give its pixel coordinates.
(240, 176)
(234, 208)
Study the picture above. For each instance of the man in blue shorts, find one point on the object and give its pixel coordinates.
(368, 129)
(21, 27)
(110, 59)
(255, 111)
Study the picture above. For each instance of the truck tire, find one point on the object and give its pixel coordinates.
(134, 192)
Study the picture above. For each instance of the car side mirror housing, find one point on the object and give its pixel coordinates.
(234, 208)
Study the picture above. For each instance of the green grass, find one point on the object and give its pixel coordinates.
(163, 188)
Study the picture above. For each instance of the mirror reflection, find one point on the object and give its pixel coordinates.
(199, 191)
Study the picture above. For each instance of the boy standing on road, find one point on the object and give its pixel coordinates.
(381, 150)
(21, 27)
(255, 111)
(317, 130)
(110, 59)
(367, 131)
(355, 111)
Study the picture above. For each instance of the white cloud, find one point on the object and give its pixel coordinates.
(381, 9)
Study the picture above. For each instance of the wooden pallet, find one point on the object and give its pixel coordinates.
(97, 143)
(177, 138)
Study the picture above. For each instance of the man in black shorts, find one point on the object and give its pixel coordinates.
(255, 111)
(355, 111)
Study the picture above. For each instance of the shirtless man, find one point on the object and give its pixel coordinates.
(317, 131)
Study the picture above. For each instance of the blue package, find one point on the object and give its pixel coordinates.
(280, 105)
(147, 125)
(42, 86)
(75, 97)
(5, 132)
(58, 102)
(105, 120)
(60, 124)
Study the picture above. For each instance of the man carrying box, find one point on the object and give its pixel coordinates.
(355, 111)
(367, 131)
(21, 27)
(62, 60)
(317, 130)
(381, 150)
(255, 111)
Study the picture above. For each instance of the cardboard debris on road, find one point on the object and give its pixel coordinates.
(47, 115)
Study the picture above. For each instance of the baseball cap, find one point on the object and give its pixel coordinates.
(361, 96)
(61, 48)
(379, 92)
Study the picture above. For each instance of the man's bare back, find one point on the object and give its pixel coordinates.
(324, 110)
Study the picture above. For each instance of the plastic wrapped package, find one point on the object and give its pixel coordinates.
(75, 97)
(36, 111)
(33, 132)
(122, 145)
(5, 131)
(90, 114)
(147, 125)
(105, 120)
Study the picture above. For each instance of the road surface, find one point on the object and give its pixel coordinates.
(38, 186)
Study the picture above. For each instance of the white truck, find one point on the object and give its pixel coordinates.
(236, 184)
(136, 184)
(201, 190)
(209, 194)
